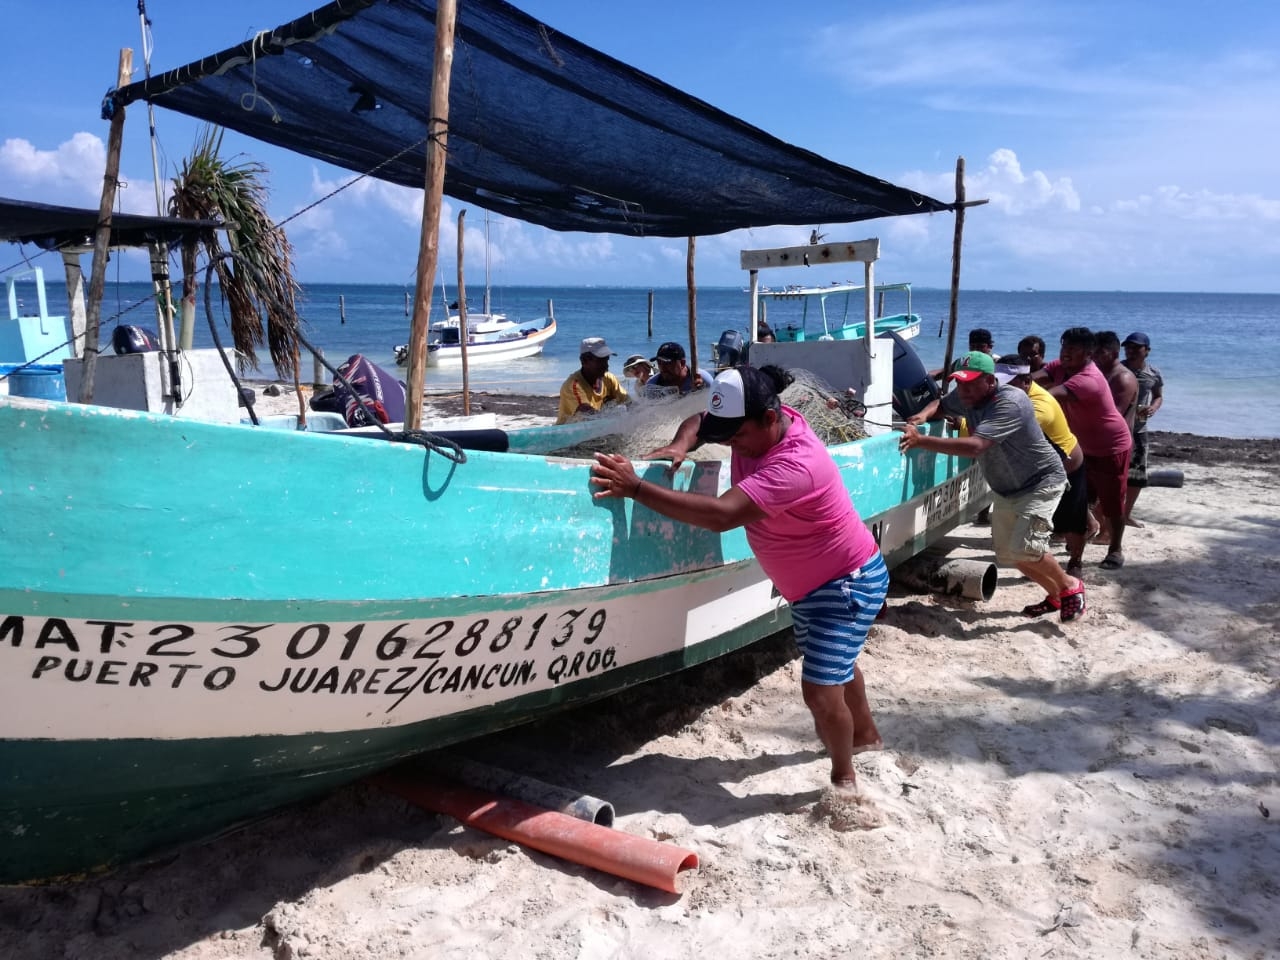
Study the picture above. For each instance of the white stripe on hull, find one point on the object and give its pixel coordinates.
(111, 678)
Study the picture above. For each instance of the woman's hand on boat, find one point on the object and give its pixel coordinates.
(674, 452)
(615, 476)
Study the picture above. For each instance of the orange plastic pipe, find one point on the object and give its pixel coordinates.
(645, 861)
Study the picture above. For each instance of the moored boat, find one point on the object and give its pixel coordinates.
(833, 312)
(494, 342)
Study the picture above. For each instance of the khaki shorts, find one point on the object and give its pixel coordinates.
(1020, 526)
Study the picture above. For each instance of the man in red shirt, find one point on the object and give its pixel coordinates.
(1079, 386)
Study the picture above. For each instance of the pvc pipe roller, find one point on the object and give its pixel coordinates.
(1166, 477)
(971, 579)
(482, 776)
(623, 855)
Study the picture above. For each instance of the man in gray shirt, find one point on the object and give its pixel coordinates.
(1022, 468)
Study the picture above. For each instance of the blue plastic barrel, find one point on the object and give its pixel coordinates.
(43, 381)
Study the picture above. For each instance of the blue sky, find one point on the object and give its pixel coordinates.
(1123, 145)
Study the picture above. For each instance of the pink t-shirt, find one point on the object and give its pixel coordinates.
(812, 533)
(1091, 413)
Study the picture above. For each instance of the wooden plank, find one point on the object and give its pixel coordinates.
(811, 254)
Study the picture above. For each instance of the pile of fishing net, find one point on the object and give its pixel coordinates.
(647, 424)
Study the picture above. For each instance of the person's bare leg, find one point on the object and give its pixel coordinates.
(834, 723)
(1048, 574)
(865, 735)
(1117, 535)
(1075, 549)
(1130, 498)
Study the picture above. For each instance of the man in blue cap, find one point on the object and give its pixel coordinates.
(1137, 346)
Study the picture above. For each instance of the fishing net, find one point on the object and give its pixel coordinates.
(646, 425)
(634, 430)
(835, 416)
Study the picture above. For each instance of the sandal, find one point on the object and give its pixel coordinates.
(1047, 605)
(1073, 605)
(1113, 561)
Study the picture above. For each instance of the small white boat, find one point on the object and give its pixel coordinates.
(506, 340)
(490, 342)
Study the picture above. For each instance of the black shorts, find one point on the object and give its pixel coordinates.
(1072, 515)
(1138, 462)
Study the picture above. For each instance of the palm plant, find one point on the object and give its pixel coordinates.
(258, 281)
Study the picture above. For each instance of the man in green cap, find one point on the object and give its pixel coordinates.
(1021, 467)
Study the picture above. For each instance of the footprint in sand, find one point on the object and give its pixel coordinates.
(846, 810)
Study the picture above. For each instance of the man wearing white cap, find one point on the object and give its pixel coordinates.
(788, 496)
(591, 386)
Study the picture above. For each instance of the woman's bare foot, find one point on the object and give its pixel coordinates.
(1130, 522)
(869, 747)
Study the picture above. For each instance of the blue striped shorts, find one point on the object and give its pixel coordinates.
(831, 623)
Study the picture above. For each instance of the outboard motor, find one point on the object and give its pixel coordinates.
(127, 338)
(913, 388)
(728, 352)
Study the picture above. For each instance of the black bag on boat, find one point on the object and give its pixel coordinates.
(913, 388)
(381, 391)
(127, 338)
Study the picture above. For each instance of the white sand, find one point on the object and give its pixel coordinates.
(1093, 790)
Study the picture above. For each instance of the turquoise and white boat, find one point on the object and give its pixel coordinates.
(837, 311)
(202, 621)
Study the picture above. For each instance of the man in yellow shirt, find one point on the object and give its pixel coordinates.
(1072, 516)
(591, 386)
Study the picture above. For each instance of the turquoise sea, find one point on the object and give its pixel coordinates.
(1211, 348)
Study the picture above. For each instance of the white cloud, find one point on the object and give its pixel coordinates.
(1004, 183)
(69, 175)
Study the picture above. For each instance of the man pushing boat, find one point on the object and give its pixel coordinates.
(802, 526)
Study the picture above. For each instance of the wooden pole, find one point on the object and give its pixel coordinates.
(429, 241)
(955, 270)
(75, 297)
(650, 314)
(693, 308)
(102, 238)
(462, 317)
(342, 309)
(551, 309)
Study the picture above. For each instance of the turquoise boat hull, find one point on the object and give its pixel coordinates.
(201, 622)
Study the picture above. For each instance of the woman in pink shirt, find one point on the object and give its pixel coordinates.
(804, 530)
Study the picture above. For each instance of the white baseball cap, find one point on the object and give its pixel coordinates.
(596, 347)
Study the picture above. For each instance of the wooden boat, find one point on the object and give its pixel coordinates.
(201, 621)
(187, 641)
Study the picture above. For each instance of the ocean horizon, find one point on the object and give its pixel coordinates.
(1197, 338)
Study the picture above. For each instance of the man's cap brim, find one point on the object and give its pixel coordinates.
(719, 429)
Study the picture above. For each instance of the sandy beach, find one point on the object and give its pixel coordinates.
(1103, 788)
